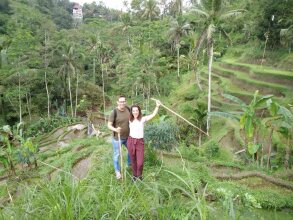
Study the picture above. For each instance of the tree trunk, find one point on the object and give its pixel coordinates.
(46, 81)
(19, 100)
(2, 107)
(178, 61)
(28, 106)
(246, 174)
(264, 50)
(149, 94)
(104, 100)
(128, 41)
(199, 137)
(255, 141)
(211, 53)
(94, 70)
(287, 155)
(70, 95)
(35, 162)
(197, 79)
(76, 95)
(48, 95)
(270, 148)
(3, 53)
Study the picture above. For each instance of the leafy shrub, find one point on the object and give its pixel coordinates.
(212, 149)
(151, 158)
(162, 135)
(190, 152)
(26, 153)
(45, 125)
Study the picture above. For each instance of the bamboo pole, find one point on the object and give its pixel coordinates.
(181, 117)
(56, 168)
(121, 156)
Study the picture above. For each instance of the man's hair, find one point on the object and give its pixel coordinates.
(121, 96)
(131, 118)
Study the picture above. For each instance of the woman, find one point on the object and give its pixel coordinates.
(135, 140)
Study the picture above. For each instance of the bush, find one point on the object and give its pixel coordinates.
(151, 158)
(162, 135)
(212, 149)
(45, 125)
(190, 152)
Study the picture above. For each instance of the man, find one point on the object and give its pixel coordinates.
(119, 123)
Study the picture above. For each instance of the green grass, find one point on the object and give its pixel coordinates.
(262, 70)
(172, 189)
(244, 78)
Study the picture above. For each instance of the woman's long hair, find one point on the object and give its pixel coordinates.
(131, 118)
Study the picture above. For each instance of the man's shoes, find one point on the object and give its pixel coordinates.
(118, 175)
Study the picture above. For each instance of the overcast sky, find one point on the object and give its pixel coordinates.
(117, 4)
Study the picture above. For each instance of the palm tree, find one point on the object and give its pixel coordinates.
(94, 45)
(178, 29)
(104, 51)
(177, 7)
(68, 68)
(150, 10)
(46, 63)
(213, 14)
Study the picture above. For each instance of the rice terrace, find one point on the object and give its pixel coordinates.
(206, 90)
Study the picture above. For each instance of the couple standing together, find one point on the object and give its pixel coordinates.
(129, 123)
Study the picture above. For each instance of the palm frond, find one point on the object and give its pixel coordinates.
(286, 113)
(262, 100)
(232, 13)
(234, 99)
(225, 35)
(199, 42)
(217, 5)
(200, 12)
(224, 115)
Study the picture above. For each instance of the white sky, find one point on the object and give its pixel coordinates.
(116, 4)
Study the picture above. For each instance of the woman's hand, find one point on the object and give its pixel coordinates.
(158, 103)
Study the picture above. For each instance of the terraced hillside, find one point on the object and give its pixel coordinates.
(242, 80)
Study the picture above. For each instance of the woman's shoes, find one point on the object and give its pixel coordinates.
(135, 178)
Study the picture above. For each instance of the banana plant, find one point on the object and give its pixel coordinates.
(281, 121)
(27, 151)
(7, 149)
(248, 119)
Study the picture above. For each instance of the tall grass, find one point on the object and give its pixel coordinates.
(101, 196)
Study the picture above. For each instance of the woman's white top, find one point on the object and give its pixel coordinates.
(136, 127)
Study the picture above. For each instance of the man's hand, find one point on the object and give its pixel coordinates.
(118, 130)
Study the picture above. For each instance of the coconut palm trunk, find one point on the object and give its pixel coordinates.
(94, 70)
(28, 106)
(46, 80)
(103, 84)
(76, 94)
(19, 100)
(210, 64)
(178, 61)
(70, 95)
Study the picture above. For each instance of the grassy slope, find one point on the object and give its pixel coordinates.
(172, 188)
